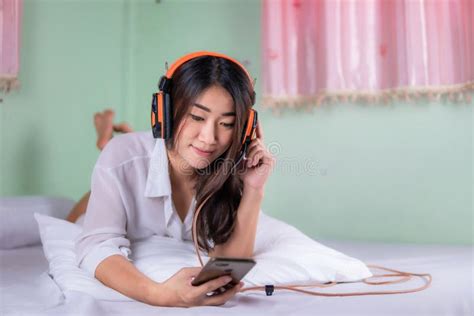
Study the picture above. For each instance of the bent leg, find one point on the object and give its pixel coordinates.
(105, 127)
(79, 208)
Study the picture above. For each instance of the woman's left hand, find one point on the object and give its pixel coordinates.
(259, 164)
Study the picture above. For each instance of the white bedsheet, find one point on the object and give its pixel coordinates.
(27, 289)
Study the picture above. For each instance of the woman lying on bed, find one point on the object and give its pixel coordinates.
(141, 185)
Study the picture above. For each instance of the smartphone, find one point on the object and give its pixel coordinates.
(216, 267)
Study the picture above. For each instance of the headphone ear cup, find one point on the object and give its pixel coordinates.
(249, 132)
(160, 114)
(157, 122)
(155, 125)
(167, 115)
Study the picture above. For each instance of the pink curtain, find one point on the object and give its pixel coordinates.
(10, 23)
(375, 51)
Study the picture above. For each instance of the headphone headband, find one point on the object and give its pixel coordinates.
(190, 56)
(165, 80)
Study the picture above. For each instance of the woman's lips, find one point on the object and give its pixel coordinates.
(201, 153)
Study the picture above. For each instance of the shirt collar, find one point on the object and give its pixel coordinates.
(158, 179)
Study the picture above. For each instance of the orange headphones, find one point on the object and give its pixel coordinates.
(162, 104)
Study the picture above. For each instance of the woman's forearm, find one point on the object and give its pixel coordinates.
(242, 241)
(121, 275)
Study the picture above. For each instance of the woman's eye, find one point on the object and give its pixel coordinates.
(196, 118)
(228, 125)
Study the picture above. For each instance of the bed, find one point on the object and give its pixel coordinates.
(27, 287)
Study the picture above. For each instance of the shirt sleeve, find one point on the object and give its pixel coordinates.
(104, 227)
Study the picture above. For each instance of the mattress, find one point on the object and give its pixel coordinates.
(28, 289)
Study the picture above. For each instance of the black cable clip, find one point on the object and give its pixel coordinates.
(269, 289)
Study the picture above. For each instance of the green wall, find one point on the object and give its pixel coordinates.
(400, 173)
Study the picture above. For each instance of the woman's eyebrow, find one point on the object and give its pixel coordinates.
(202, 107)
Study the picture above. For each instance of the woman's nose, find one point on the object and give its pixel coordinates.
(208, 134)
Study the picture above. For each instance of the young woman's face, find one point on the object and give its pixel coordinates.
(206, 131)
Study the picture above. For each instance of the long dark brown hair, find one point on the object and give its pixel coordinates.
(217, 218)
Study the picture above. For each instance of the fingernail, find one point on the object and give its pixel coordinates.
(228, 279)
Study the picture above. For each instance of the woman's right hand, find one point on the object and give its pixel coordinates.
(177, 291)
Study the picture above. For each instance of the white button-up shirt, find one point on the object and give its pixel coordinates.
(130, 200)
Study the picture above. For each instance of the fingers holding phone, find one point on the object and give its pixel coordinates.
(220, 290)
(217, 291)
(179, 292)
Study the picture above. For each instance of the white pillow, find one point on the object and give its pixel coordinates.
(18, 227)
(284, 255)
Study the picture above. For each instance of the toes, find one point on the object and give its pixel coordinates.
(109, 114)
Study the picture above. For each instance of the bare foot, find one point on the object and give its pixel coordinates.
(104, 126)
